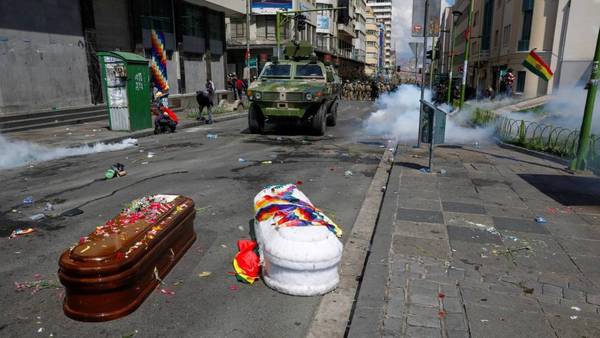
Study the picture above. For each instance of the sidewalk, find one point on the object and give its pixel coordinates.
(93, 132)
(460, 255)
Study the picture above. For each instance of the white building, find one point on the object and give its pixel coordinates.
(383, 13)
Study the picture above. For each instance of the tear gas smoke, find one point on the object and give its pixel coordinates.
(398, 115)
(15, 153)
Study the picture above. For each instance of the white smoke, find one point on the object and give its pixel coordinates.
(14, 153)
(398, 115)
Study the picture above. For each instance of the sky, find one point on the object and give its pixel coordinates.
(401, 23)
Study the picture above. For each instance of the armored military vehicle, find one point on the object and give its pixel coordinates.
(298, 88)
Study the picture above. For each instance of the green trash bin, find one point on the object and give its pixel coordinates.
(126, 86)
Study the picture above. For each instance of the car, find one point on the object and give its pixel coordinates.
(297, 89)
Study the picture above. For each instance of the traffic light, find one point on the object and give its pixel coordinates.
(300, 22)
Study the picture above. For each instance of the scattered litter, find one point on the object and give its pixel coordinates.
(540, 220)
(485, 320)
(48, 206)
(512, 238)
(21, 232)
(40, 330)
(415, 156)
(37, 217)
(489, 229)
(241, 228)
(204, 274)
(116, 170)
(14, 210)
(151, 154)
(383, 189)
(242, 160)
(425, 170)
(576, 308)
(266, 162)
(299, 183)
(37, 285)
(167, 292)
(145, 162)
(573, 317)
(212, 136)
(443, 171)
(130, 335)
(348, 173)
(223, 246)
(72, 212)
(28, 200)
(279, 138)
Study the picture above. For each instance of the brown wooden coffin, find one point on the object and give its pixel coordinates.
(111, 271)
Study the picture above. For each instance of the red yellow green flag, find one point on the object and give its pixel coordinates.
(537, 66)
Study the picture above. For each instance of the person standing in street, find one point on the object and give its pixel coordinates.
(239, 87)
(509, 78)
(204, 100)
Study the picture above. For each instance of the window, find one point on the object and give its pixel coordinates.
(475, 16)
(313, 71)
(506, 36)
(238, 28)
(279, 71)
(526, 31)
(521, 81)
(215, 26)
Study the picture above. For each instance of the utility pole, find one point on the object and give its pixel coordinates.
(425, 23)
(248, 13)
(455, 14)
(583, 147)
(431, 67)
(466, 63)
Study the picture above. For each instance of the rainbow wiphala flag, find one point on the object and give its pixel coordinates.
(537, 66)
(158, 64)
(288, 207)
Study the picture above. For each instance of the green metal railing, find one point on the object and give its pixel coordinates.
(558, 141)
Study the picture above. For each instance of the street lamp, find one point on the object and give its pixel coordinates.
(455, 16)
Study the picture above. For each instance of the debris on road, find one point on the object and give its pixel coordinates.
(150, 154)
(167, 292)
(72, 212)
(443, 171)
(37, 285)
(37, 217)
(576, 308)
(348, 173)
(242, 160)
(425, 170)
(116, 170)
(21, 232)
(212, 136)
(540, 220)
(204, 274)
(48, 206)
(266, 162)
(28, 200)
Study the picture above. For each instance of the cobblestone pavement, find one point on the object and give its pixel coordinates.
(458, 253)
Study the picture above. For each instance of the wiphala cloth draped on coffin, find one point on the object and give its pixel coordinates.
(287, 206)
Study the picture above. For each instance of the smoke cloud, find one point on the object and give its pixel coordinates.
(398, 115)
(15, 153)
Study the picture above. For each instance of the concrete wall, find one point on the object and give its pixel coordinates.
(217, 71)
(195, 75)
(112, 25)
(42, 57)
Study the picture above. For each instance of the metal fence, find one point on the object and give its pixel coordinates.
(555, 140)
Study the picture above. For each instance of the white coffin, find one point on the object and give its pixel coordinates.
(301, 260)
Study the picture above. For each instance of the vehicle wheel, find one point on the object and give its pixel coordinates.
(256, 120)
(319, 121)
(332, 117)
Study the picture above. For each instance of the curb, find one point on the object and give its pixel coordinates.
(333, 313)
(534, 153)
(150, 132)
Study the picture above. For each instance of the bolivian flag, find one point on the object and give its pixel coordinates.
(537, 66)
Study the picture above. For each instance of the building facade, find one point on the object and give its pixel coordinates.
(503, 32)
(383, 13)
(50, 60)
(372, 42)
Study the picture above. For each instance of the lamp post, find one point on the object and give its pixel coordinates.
(466, 63)
(455, 16)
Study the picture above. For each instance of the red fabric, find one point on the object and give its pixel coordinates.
(239, 84)
(247, 259)
(172, 115)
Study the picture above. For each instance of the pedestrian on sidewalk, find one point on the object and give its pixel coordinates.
(204, 100)
(239, 87)
(164, 118)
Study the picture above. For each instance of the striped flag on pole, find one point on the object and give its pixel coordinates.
(537, 66)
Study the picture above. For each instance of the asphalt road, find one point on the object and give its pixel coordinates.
(210, 172)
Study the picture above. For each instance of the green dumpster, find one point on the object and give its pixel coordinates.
(126, 85)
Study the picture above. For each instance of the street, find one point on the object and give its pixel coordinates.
(222, 176)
